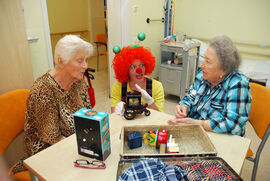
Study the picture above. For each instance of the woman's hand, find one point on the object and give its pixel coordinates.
(205, 123)
(181, 111)
(183, 121)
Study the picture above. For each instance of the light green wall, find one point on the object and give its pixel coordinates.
(67, 15)
(154, 31)
(242, 20)
(35, 28)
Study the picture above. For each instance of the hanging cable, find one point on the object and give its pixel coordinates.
(173, 15)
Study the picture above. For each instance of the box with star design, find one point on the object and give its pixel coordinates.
(92, 133)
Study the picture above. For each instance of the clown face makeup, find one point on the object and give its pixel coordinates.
(136, 71)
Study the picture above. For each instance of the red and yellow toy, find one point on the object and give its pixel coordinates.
(150, 138)
(154, 138)
(162, 137)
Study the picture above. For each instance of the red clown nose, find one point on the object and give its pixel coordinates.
(139, 70)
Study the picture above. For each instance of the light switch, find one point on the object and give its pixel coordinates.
(135, 8)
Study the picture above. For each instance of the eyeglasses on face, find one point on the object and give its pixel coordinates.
(94, 164)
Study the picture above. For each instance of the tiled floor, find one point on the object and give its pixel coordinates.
(101, 86)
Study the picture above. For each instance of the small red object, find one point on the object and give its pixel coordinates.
(162, 137)
(139, 70)
(91, 94)
(91, 91)
(152, 131)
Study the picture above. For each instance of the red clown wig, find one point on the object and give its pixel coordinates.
(125, 58)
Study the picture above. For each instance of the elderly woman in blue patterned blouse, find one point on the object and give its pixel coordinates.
(219, 98)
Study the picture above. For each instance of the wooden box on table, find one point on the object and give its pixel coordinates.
(195, 147)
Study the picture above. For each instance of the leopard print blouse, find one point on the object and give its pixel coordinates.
(49, 114)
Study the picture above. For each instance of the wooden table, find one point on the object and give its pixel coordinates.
(56, 162)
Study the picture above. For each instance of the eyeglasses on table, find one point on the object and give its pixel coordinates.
(93, 164)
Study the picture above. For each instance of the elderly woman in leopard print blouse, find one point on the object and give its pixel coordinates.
(56, 95)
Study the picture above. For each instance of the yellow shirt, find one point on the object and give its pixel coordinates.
(157, 94)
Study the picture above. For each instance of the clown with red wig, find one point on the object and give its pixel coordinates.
(130, 67)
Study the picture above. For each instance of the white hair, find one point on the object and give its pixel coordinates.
(68, 46)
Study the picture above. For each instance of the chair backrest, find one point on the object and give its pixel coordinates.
(12, 116)
(101, 38)
(259, 116)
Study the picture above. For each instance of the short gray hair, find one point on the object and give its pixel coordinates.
(227, 53)
(68, 46)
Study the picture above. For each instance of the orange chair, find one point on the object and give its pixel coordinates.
(101, 40)
(12, 119)
(259, 118)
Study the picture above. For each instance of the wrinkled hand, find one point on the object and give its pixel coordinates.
(182, 121)
(181, 111)
(145, 95)
(120, 108)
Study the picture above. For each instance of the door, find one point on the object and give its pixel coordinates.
(15, 64)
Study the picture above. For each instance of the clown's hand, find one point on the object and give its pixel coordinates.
(145, 95)
(120, 108)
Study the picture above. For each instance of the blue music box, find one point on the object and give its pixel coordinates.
(134, 140)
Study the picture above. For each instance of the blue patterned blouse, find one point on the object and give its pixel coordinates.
(227, 105)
